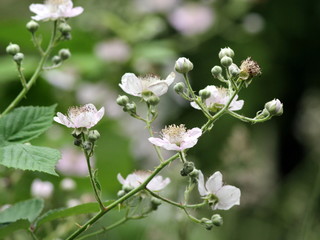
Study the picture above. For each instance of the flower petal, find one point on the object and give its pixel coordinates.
(236, 105)
(131, 84)
(188, 143)
(169, 80)
(121, 179)
(194, 132)
(74, 12)
(214, 183)
(201, 187)
(194, 105)
(164, 144)
(228, 197)
(159, 88)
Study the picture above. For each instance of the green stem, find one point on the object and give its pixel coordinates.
(246, 119)
(182, 157)
(157, 149)
(116, 224)
(123, 198)
(37, 44)
(22, 77)
(35, 75)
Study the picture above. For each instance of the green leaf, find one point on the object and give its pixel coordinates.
(67, 212)
(29, 209)
(25, 123)
(28, 157)
(7, 229)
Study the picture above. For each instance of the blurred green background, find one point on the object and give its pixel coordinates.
(275, 164)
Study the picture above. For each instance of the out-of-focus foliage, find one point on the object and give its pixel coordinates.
(275, 164)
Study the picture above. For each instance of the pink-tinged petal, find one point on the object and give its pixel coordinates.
(99, 115)
(158, 183)
(169, 80)
(159, 88)
(214, 183)
(236, 105)
(38, 8)
(62, 119)
(189, 143)
(228, 197)
(120, 179)
(194, 132)
(164, 143)
(212, 89)
(131, 84)
(74, 12)
(201, 187)
(194, 105)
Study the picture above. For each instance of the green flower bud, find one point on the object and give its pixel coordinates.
(216, 71)
(153, 100)
(194, 173)
(226, 52)
(32, 26)
(56, 60)
(179, 87)
(226, 61)
(183, 65)
(217, 220)
(207, 223)
(155, 203)
(13, 49)
(188, 167)
(64, 54)
(274, 107)
(87, 146)
(234, 70)
(122, 100)
(64, 28)
(18, 58)
(93, 135)
(204, 94)
(121, 193)
(130, 107)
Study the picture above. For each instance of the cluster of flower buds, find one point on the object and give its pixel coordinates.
(14, 50)
(128, 106)
(65, 30)
(63, 55)
(216, 220)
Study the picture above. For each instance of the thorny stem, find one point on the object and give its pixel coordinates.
(36, 74)
(246, 119)
(123, 198)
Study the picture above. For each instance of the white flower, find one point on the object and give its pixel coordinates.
(135, 179)
(68, 184)
(177, 138)
(42, 189)
(225, 196)
(80, 117)
(54, 9)
(135, 86)
(218, 98)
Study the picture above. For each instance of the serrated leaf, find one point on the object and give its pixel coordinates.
(25, 123)
(67, 212)
(28, 157)
(29, 209)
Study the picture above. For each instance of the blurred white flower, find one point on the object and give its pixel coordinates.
(42, 189)
(218, 98)
(155, 5)
(68, 184)
(73, 202)
(135, 179)
(73, 163)
(192, 19)
(253, 23)
(114, 50)
(54, 9)
(224, 197)
(177, 138)
(135, 86)
(64, 79)
(80, 117)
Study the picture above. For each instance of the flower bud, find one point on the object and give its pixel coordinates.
(13, 49)
(183, 65)
(122, 100)
(32, 26)
(226, 61)
(155, 203)
(87, 146)
(18, 58)
(204, 94)
(153, 100)
(121, 193)
(188, 167)
(217, 220)
(207, 223)
(77, 141)
(194, 173)
(56, 60)
(64, 54)
(64, 28)
(216, 71)
(226, 52)
(76, 133)
(262, 114)
(274, 107)
(234, 70)
(179, 87)
(93, 135)
(130, 107)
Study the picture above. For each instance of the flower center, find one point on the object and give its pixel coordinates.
(76, 111)
(174, 134)
(56, 2)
